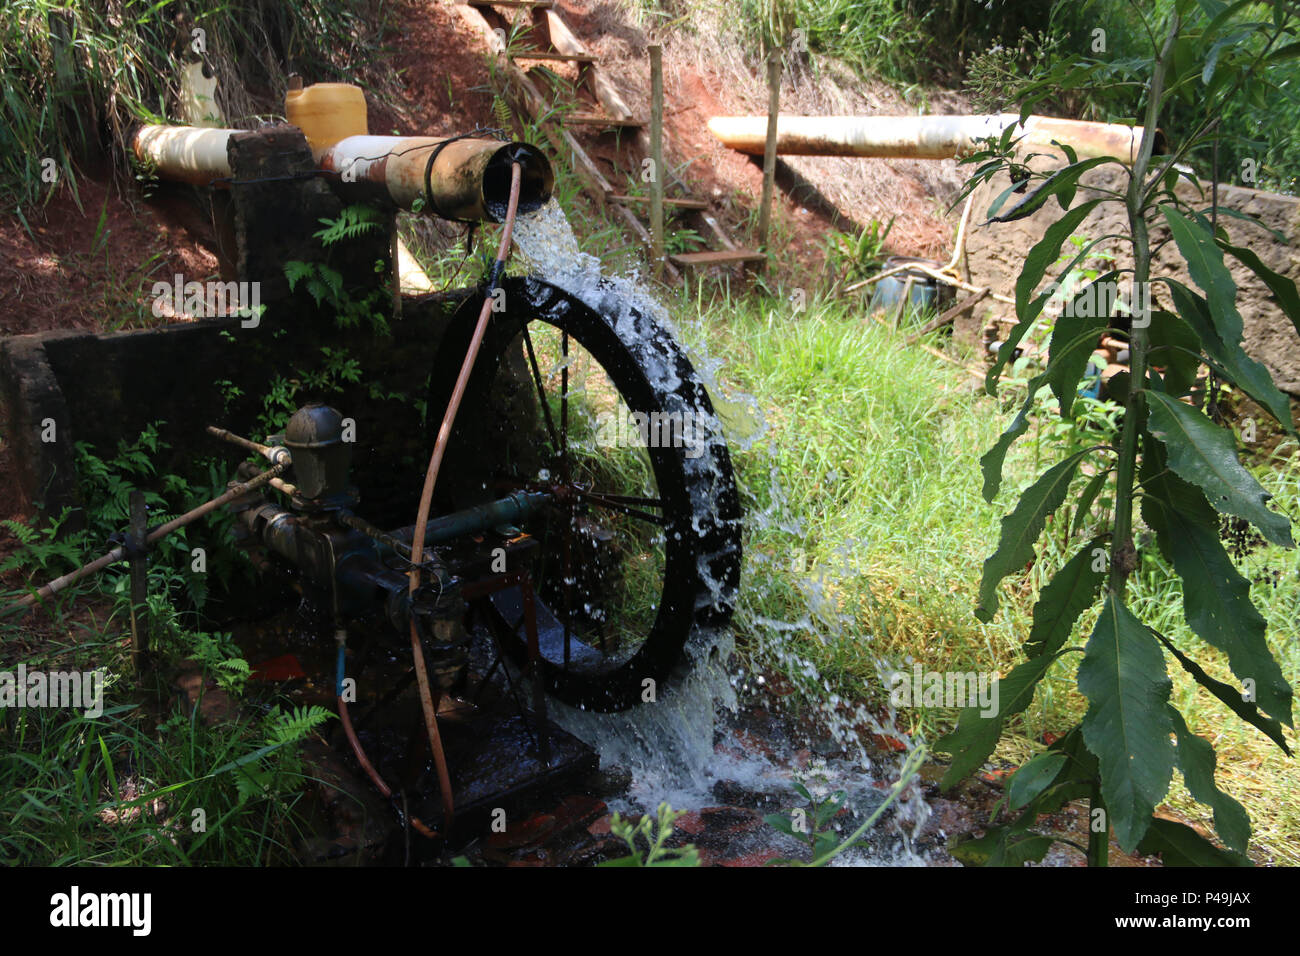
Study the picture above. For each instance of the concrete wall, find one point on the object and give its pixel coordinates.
(995, 252)
(105, 388)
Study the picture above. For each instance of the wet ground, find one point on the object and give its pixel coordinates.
(727, 764)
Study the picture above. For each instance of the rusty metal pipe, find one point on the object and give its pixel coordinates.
(469, 178)
(117, 554)
(922, 137)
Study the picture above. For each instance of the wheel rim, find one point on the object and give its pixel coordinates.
(641, 544)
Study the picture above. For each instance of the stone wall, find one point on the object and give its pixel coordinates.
(994, 253)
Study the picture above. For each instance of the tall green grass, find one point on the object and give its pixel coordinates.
(901, 41)
(76, 75)
(867, 532)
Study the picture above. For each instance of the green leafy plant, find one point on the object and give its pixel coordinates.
(679, 241)
(325, 283)
(850, 257)
(814, 825)
(1169, 460)
(74, 69)
(655, 833)
(276, 766)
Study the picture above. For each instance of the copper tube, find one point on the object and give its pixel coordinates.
(370, 770)
(117, 554)
(426, 495)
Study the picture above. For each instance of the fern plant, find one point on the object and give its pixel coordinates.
(276, 767)
(325, 283)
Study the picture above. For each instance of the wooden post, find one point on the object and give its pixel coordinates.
(395, 258)
(137, 535)
(769, 150)
(903, 303)
(657, 158)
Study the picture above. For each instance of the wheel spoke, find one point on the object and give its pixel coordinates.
(613, 504)
(564, 476)
(541, 390)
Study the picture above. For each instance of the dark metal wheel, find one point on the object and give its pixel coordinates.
(588, 398)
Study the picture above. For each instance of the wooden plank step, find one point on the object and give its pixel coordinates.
(722, 257)
(599, 119)
(679, 203)
(555, 57)
(524, 4)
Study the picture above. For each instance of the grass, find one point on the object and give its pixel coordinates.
(75, 76)
(869, 531)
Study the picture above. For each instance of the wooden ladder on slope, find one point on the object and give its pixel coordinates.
(551, 40)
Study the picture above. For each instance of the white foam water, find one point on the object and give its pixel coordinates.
(671, 748)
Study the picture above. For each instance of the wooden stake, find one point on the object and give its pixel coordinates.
(902, 303)
(138, 532)
(949, 316)
(769, 149)
(657, 158)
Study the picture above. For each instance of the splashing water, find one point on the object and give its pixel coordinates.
(675, 749)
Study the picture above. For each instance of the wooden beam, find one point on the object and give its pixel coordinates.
(939, 321)
(769, 151)
(679, 203)
(722, 257)
(558, 57)
(561, 139)
(515, 4)
(598, 119)
(606, 93)
(657, 158)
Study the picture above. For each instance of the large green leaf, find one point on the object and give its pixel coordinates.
(975, 735)
(1180, 845)
(1230, 696)
(1034, 777)
(1061, 183)
(1083, 504)
(1127, 724)
(1065, 367)
(1046, 251)
(1197, 759)
(1228, 359)
(1021, 528)
(992, 461)
(1216, 598)
(1074, 339)
(1076, 777)
(1284, 290)
(1206, 267)
(1175, 347)
(1001, 846)
(1040, 258)
(1071, 592)
(1203, 453)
